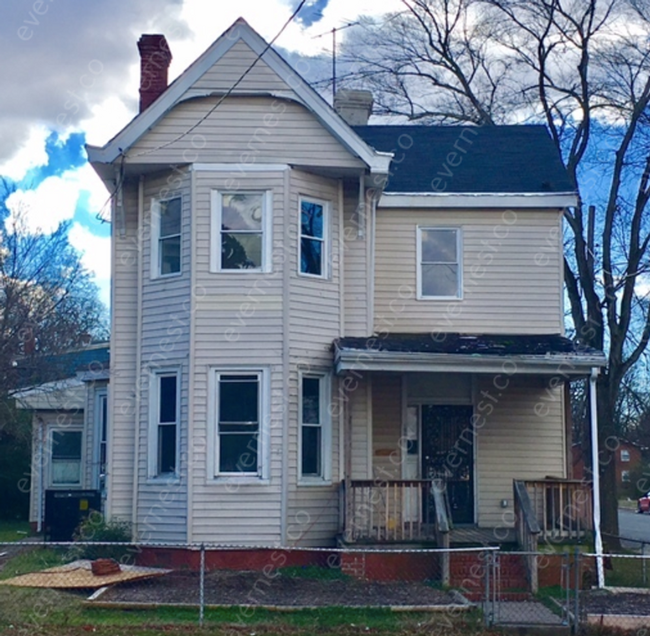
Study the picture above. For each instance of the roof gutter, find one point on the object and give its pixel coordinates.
(478, 200)
(551, 365)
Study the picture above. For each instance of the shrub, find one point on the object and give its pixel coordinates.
(95, 528)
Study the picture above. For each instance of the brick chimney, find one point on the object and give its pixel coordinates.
(355, 107)
(154, 64)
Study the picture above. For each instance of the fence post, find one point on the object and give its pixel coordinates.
(645, 564)
(487, 606)
(202, 587)
(578, 582)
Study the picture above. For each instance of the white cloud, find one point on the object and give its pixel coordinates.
(31, 154)
(55, 199)
(95, 250)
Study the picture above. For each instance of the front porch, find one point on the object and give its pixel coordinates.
(417, 511)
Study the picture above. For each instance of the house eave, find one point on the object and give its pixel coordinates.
(568, 366)
(553, 200)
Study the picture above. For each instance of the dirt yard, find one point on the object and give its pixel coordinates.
(227, 587)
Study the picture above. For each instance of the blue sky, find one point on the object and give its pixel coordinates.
(73, 78)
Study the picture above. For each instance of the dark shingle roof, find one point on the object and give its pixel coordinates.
(455, 343)
(503, 159)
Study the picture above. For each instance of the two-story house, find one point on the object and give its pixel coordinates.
(313, 318)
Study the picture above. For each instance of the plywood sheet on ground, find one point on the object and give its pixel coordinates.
(79, 575)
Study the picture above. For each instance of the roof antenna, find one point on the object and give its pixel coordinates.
(334, 31)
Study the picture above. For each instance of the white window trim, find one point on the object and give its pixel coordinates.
(215, 232)
(50, 443)
(327, 242)
(325, 399)
(262, 475)
(155, 238)
(154, 401)
(418, 268)
(625, 455)
(97, 433)
(625, 476)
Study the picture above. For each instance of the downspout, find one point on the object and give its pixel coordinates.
(138, 360)
(593, 414)
(286, 367)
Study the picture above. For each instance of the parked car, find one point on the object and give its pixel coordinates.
(644, 503)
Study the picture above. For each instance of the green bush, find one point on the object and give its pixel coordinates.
(96, 528)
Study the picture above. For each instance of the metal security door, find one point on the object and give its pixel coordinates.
(448, 454)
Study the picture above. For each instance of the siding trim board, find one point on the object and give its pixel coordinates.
(552, 201)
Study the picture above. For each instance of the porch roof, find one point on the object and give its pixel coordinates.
(542, 354)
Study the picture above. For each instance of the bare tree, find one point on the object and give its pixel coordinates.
(583, 68)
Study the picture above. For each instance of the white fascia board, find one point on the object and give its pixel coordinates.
(478, 200)
(175, 93)
(552, 365)
(240, 168)
(64, 395)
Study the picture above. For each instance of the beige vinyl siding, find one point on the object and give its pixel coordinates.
(124, 330)
(511, 272)
(355, 397)
(229, 69)
(357, 268)
(237, 323)
(522, 438)
(162, 506)
(386, 425)
(312, 513)
(244, 131)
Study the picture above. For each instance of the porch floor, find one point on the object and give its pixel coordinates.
(466, 535)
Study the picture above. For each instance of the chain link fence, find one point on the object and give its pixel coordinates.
(487, 586)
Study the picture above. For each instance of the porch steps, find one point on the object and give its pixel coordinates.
(467, 573)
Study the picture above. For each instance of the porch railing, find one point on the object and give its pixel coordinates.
(562, 507)
(394, 511)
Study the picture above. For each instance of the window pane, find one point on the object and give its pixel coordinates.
(311, 219)
(167, 398)
(66, 471)
(311, 450)
(241, 211)
(170, 255)
(311, 256)
(166, 449)
(170, 217)
(440, 280)
(238, 453)
(238, 399)
(66, 445)
(311, 400)
(241, 251)
(439, 246)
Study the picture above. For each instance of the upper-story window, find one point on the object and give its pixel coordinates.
(625, 455)
(241, 234)
(313, 237)
(439, 263)
(166, 244)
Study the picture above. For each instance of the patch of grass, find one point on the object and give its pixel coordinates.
(32, 560)
(313, 572)
(13, 530)
(627, 572)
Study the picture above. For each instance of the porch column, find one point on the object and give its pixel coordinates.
(593, 413)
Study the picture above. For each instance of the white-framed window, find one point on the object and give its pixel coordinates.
(439, 258)
(166, 223)
(240, 418)
(625, 475)
(315, 428)
(314, 243)
(65, 457)
(164, 423)
(625, 455)
(241, 231)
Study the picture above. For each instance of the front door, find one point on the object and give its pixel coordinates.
(448, 454)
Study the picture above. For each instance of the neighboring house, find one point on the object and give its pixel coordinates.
(628, 458)
(311, 320)
(69, 427)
